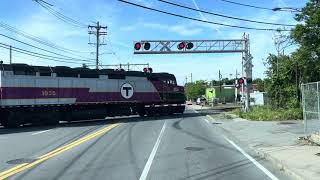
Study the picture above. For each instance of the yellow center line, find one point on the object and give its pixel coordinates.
(24, 166)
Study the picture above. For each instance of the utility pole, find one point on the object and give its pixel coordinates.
(191, 77)
(97, 30)
(10, 54)
(247, 65)
(220, 77)
(235, 88)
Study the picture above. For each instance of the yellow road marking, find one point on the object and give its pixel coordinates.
(22, 167)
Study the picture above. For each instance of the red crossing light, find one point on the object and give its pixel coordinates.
(240, 81)
(137, 46)
(181, 45)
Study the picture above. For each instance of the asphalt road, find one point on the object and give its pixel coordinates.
(173, 147)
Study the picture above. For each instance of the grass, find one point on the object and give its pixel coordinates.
(264, 113)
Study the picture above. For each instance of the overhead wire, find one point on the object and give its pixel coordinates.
(59, 15)
(38, 56)
(40, 40)
(248, 5)
(68, 57)
(199, 20)
(222, 15)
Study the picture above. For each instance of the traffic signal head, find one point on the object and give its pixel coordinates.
(189, 45)
(146, 46)
(181, 45)
(240, 81)
(137, 46)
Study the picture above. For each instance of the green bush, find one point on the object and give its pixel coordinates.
(265, 113)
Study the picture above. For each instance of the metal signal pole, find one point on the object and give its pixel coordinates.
(96, 30)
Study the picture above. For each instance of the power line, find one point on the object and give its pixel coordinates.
(40, 40)
(221, 15)
(247, 5)
(39, 54)
(30, 54)
(59, 15)
(68, 57)
(199, 20)
(260, 7)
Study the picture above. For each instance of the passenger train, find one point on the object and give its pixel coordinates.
(47, 95)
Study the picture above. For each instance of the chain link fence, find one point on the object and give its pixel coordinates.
(311, 107)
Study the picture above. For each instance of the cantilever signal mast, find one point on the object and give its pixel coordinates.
(98, 31)
(205, 46)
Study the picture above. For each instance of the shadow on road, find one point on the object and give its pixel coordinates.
(97, 122)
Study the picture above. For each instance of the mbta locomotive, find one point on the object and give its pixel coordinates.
(47, 95)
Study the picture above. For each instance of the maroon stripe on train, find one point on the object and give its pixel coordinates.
(81, 94)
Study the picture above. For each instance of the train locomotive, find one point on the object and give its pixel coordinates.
(47, 95)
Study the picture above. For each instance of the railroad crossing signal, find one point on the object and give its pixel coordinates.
(190, 46)
(137, 46)
(205, 46)
(146, 46)
(181, 45)
(240, 81)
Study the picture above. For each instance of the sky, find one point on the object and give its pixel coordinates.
(127, 23)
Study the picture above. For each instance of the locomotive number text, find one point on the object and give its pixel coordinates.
(48, 93)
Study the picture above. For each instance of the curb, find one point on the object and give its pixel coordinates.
(276, 162)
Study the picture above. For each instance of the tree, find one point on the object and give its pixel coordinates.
(285, 73)
(306, 34)
(280, 82)
(195, 89)
(260, 84)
